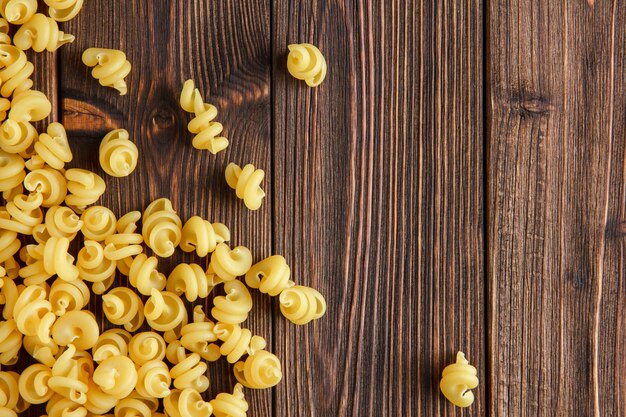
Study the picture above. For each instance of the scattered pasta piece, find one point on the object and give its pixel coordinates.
(18, 12)
(202, 236)
(52, 148)
(228, 264)
(84, 188)
(227, 405)
(162, 228)
(41, 33)
(118, 155)
(260, 370)
(16, 70)
(247, 184)
(116, 376)
(110, 67)
(233, 308)
(302, 304)
(457, 381)
(306, 62)
(63, 10)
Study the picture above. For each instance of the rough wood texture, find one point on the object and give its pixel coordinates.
(556, 170)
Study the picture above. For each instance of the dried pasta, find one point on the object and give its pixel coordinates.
(189, 372)
(33, 313)
(29, 106)
(84, 188)
(116, 376)
(186, 403)
(44, 352)
(301, 304)
(62, 222)
(17, 137)
(63, 10)
(33, 384)
(457, 381)
(197, 337)
(41, 33)
(98, 223)
(247, 184)
(161, 228)
(16, 70)
(52, 148)
(118, 154)
(98, 402)
(10, 342)
(110, 67)
(68, 296)
(59, 406)
(132, 407)
(237, 342)
(191, 280)
(69, 379)
(306, 62)
(229, 264)
(233, 308)
(95, 267)
(125, 243)
(23, 213)
(57, 260)
(78, 327)
(202, 236)
(50, 183)
(145, 347)
(123, 307)
(165, 311)
(18, 12)
(259, 371)
(5, 39)
(144, 276)
(113, 342)
(9, 394)
(229, 405)
(153, 379)
(202, 125)
(11, 171)
(270, 276)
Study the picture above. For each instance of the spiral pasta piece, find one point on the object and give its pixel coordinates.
(202, 125)
(122, 306)
(33, 313)
(270, 276)
(197, 336)
(125, 243)
(247, 184)
(189, 373)
(132, 407)
(153, 380)
(59, 406)
(94, 267)
(98, 402)
(229, 264)
(50, 183)
(62, 222)
(34, 272)
(76, 327)
(10, 342)
(57, 260)
(29, 106)
(186, 403)
(235, 306)
(162, 228)
(11, 171)
(237, 342)
(17, 137)
(68, 379)
(306, 62)
(259, 371)
(230, 405)
(110, 67)
(9, 394)
(63, 10)
(68, 296)
(145, 347)
(41, 33)
(118, 154)
(191, 280)
(116, 376)
(457, 381)
(52, 148)
(113, 342)
(16, 70)
(301, 304)
(98, 223)
(165, 311)
(18, 12)
(84, 187)
(44, 352)
(202, 236)
(9, 244)
(22, 214)
(4, 32)
(144, 276)
(33, 384)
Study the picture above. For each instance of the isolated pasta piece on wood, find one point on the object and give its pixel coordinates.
(113, 342)
(457, 381)
(229, 264)
(302, 304)
(306, 62)
(202, 125)
(41, 33)
(118, 154)
(110, 67)
(247, 184)
(260, 370)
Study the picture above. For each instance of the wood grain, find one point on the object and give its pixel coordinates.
(378, 203)
(556, 166)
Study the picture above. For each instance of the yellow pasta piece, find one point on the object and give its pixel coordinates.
(57, 260)
(162, 228)
(202, 125)
(259, 371)
(301, 304)
(110, 67)
(98, 402)
(228, 405)
(145, 347)
(63, 10)
(17, 137)
(126, 243)
(247, 184)
(62, 222)
(132, 406)
(270, 276)
(233, 308)
(229, 264)
(186, 403)
(202, 236)
(50, 183)
(22, 214)
(98, 223)
(165, 311)
(191, 280)
(10, 400)
(237, 342)
(113, 342)
(68, 296)
(33, 384)
(153, 379)
(76, 327)
(16, 70)
(59, 406)
(11, 171)
(18, 12)
(457, 381)
(41, 33)
(45, 353)
(9, 244)
(34, 272)
(144, 276)
(4, 32)
(10, 342)
(306, 62)
(69, 378)
(52, 148)
(33, 313)
(84, 188)
(118, 154)
(116, 376)
(197, 337)
(122, 306)
(190, 373)
(94, 267)
(30, 106)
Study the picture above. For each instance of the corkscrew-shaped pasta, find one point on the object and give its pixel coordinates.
(133, 407)
(17, 137)
(10, 342)
(229, 264)
(145, 347)
(41, 33)
(270, 276)
(237, 342)
(202, 236)
(118, 154)
(260, 370)
(76, 327)
(186, 403)
(98, 402)
(63, 10)
(122, 306)
(84, 187)
(235, 306)
(9, 394)
(98, 223)
(202, 125)
(52, 147)
(116, 376)
(197, 336)
(161, 227)
(165, 311)
(33, 384)
(30, 106)
(34, 272)
(50, 183)
(457, 380)
(44, 352)
(153, 380)
(230, 405)
(59, 406)
(110, 67)
(113, 342)
(247, 184)
(301, 304)
(189, 373)
(306, 62)
(9, 244)
(94, 267)
(16, 70)
(68, 296)
(9, 292)
(144, 276)
(25, 213)
(191, 280)
(4, 32)
(62, 222)
(126, 243)
(68, 379)
(11, 171)
(33, 313)
(18, 12)
(57, 260)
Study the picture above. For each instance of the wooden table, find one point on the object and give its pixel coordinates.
(456, 183)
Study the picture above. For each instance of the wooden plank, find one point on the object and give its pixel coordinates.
(555, 198)
(224, 47)
(378, 204)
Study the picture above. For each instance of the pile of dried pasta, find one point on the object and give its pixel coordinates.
(45, 289)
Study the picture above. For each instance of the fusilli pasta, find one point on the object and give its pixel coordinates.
(63, 10)
(84, 188)
(118, 154)
(247, 184)
(202, 236)
(301, 304)
(122, 306)
(110, 67)
(457, 381)
(161, 227)
(306, 62)
(233, 308)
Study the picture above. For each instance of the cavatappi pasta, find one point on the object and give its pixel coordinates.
(306, 62)
(110, 67)
(118, 154)
(247, 184)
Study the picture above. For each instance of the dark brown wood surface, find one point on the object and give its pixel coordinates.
(456, 183)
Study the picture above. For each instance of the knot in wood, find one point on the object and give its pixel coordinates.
(162, 119)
